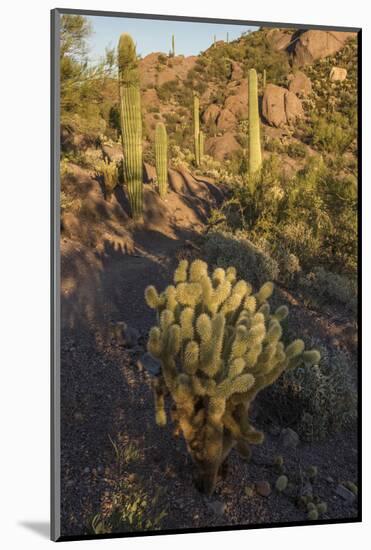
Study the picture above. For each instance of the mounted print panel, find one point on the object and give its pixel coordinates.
(205, 275)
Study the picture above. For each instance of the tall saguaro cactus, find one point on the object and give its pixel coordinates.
(131, 122)
(218, 345)
(196, 127)
(255, 155)
(173, 45)
(201, 145)
(161, 158)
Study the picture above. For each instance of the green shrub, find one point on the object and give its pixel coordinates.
(296, 150)
(333, 134)
(168, 90)
(327, 287)
(223, 248)
(317, 401)
(131, 509)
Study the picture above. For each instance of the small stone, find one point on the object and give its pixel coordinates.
(131, 336)
(249, 491)
(307, 490)
(86, 470)
(274, 429)
(289, 438)
(345, 494)
(150, 364)
(312, 472)
(263, 488)
(217, 507)
(330, 479)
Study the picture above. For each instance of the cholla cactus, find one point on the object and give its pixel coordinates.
(109, 172)
(219, 345)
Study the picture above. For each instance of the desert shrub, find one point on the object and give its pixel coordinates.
(162, 59)
(153, 109)
(180, 158)
(168, 90)
(296, 150)
(69, 203)
(332, 134)
(318, 401)
(130, 508)
(273, 145)
(326, 287)
(223, 248)
(302, 223)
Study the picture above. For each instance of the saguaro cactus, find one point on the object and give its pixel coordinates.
(173, 45)
(161, 158)
(131, 122)
(218, 345)
(196, 127)
(201, 145)
(255, 155)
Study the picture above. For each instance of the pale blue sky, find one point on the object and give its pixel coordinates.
(155, 36)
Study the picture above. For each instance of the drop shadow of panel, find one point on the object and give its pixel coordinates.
(41, 528)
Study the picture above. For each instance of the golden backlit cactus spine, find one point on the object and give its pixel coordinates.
(131, 122)
(196, 127)
(218, 344)
(161, 158)
(255, 154)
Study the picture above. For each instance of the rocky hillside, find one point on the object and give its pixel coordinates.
(300, 66)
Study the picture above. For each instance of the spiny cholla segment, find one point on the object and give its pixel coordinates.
(219, 345)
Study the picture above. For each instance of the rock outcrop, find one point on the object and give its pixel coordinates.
(222, 147)
(279, 39)
(300, 84)
(211, 113)
(280, 106)
(312, 45)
